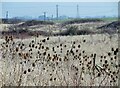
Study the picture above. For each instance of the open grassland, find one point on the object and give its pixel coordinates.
(76, 53)
(85, 60)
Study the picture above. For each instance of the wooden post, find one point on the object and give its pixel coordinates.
(94, 64)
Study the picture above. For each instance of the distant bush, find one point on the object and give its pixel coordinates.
(35, 22)
(109, 31)
(85, 32)
(73, 30)
(26, 32)
(35, 33)
(11, 21)
(81, 21)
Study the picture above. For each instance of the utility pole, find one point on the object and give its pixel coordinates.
(119, 11)
(52, 17)
(44, 16)
(57, 12)
(77, 11)
(7, 16)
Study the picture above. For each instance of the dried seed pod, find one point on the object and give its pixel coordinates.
(112, 49)
(29, 70)
(23, 44)
(73, 46)
(79, 54)
(64, 45)
(74, 42)
(20, 62)
(101, 56)
(83, 51)
(6, 45)
(25, 72)
(115, 53)
(24, 57)
(114, 73)
(43, 68)
(21, 47)
(86, 59)
(111, 58)
(50, 79)
(76, 50)
(53, 49)
(42, 47)
(115, 57)
(36, 47)
(17, 49)
(54, 78)
(32, 41)
(109, 54)
(44, 53)
(78, 46)
(84, 40)
(38, 52)
(101, 60)
(60, 44)
(106, 61)
(33, 64)
(33, 45)
(57, 46)
(48, 55)
(104, 56)
(47, 38)
(56, 63)
(43, 40)
(99, 74)
(59, 59)
(117, 50)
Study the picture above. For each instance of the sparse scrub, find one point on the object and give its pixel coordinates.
(77, 59)
(85, 32)
(11, 21)
(109, 31)
(81, 21)
(34, 22)
(113, 26)
(73, 30)
(110, 28)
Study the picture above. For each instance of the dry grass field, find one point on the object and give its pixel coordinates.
(72, 60)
